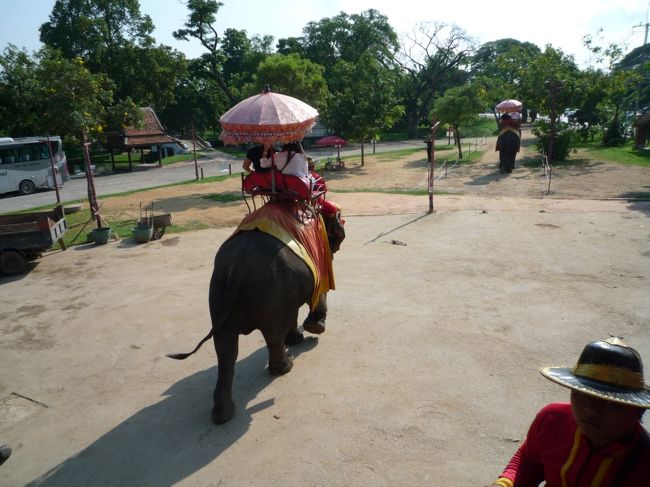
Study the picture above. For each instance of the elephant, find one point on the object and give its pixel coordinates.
(258, 282)
(508, 144)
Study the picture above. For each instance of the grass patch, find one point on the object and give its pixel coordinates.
(406, 192)
(624, 154)
(223, 197)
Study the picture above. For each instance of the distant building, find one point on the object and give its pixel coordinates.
(151, 136)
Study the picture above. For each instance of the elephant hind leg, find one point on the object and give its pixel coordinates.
(294, 337)
(226, 344)
(315, 321)
(280, 362)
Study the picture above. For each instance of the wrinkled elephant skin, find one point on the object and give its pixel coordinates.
(508, 145)
(260, 284)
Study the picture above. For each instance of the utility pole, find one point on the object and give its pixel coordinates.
(645, 26)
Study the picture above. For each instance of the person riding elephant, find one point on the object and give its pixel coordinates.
(508, 144)
(260, 282)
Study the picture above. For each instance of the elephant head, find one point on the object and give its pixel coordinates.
(334, 225)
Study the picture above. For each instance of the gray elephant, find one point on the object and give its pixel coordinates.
(259, 283)
(508, 144)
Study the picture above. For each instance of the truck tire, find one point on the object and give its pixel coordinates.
(26, 186)
(12, 262)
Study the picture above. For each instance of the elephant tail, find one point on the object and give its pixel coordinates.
(183, 356)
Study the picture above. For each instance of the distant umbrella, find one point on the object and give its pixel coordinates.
(332, 140)
(509, 106)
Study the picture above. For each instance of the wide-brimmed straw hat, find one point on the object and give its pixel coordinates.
(607, 369)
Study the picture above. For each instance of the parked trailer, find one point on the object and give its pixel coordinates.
(24, 237)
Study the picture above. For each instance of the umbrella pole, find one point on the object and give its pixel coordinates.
(273, 173)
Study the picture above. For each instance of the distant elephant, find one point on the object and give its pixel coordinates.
(258, 282)
(508, 144)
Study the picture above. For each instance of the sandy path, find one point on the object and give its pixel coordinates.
(426, 375)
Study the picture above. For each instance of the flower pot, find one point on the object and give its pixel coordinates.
(142, 234)
(100, 235)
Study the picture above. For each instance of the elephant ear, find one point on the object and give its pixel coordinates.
(334, 226)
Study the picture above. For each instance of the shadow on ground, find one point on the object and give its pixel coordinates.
(168, 441)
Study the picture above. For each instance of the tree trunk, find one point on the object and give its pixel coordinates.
(412, 124)
(457, 137)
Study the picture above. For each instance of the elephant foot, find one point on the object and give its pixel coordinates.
(222, 413)
(282, 368)
(314, 324)
(294, 337)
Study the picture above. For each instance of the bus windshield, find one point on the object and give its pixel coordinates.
(26, 165)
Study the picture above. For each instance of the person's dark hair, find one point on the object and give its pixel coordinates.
(291, 147)
(506, 116)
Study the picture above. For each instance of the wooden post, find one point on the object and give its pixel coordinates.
(196, 164)
(56, 186)
(432, 163)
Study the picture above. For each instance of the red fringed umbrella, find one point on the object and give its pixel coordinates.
(509, 106)
(267, 118)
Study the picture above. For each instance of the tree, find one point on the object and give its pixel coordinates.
(198, 102)
(94, 29)
(431, 61)
(624, 83)
(496, 65)
(458, 105)
(549, 85)
(50, 94)
(501, 59)
(147, 75)
(293, 76)
(199, 26)
(242, 58)
(17, 92)
(348, 38)
(362, 100)
(112, 37)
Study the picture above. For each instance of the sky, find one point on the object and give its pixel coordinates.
(561, 23)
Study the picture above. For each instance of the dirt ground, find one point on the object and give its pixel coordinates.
(426, 374)
(578, 178)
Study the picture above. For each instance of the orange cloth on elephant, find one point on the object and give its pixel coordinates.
(308, 240)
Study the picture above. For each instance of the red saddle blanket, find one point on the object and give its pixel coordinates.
(307, 239)
(294, 186)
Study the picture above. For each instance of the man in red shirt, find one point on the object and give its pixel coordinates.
(597, 440)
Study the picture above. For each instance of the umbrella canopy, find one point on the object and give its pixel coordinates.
(509, 106)
(334, 140)
(267, 118)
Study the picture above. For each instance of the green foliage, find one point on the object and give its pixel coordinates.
(349, 38)
(293, 76)
(49, 94)
(501, 59)
(613, 135)
(91, 29)
(430, 63)
(564, 134)
(362, 101)
(199, 26)
(458, 105)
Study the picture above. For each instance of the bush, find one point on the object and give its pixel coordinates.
(563, 137)
(614, 134)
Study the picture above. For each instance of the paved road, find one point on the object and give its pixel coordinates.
(216, 164)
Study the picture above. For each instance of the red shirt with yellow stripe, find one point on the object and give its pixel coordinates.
(556, 451)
